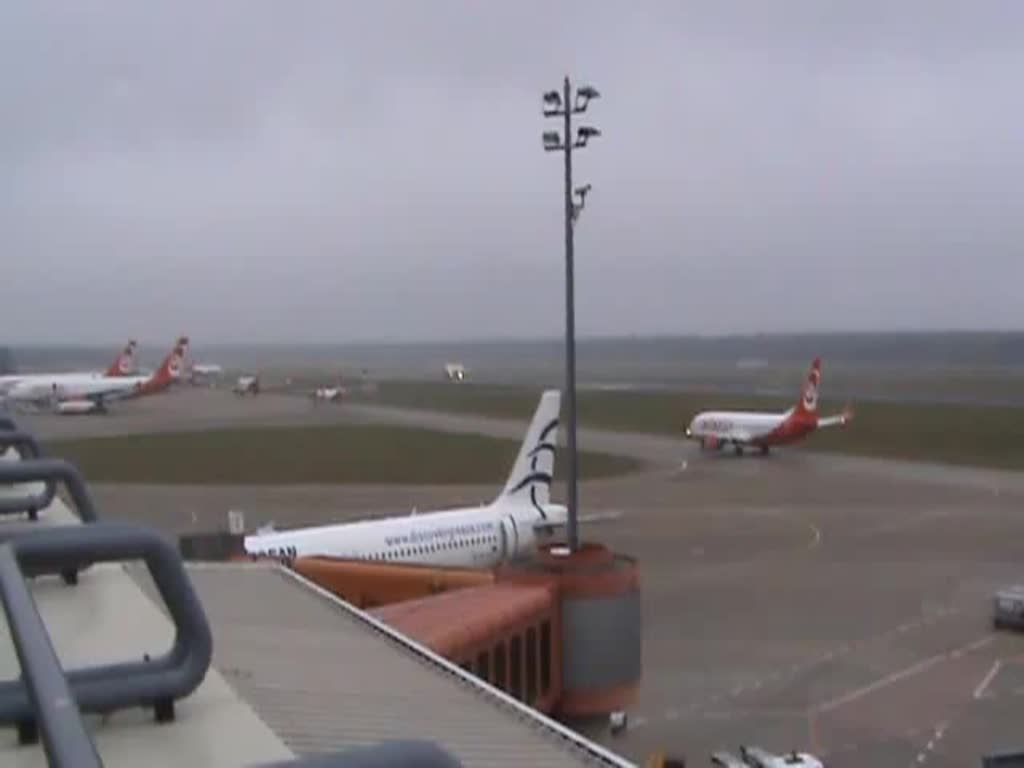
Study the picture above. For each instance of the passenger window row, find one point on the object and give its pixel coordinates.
(290, 553)
(397, 554)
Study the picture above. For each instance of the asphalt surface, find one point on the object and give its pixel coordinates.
(832, 604)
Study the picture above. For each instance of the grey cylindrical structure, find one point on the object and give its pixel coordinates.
(601, 628)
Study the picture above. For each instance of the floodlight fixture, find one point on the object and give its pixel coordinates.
(583, 96)
(552, 104)
(552, 140)
(584, 134)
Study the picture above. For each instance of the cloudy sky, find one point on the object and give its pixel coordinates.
(333, 171)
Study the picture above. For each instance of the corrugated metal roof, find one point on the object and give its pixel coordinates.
(325, 676)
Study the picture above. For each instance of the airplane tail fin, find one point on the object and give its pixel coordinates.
(530, 480)
(124, 364)
(170, 370)
(808, 402)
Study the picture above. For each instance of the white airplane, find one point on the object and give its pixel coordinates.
(716, 429)
(510, 526)
(247, 385)
(330, 394)
(124, 365)
(204, 372)
(73, 396)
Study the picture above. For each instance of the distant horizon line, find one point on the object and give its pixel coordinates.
(524, 339)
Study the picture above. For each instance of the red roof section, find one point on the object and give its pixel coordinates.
(465, 617)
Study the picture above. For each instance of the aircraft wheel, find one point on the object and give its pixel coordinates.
(765, 450)
(738, 449)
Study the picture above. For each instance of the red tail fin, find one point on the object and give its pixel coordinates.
(808, 402)
(169, 371)
(124, 365)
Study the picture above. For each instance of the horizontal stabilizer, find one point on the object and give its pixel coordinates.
(547, 526)
(837, 421)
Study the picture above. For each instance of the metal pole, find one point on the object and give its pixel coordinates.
(572, 527)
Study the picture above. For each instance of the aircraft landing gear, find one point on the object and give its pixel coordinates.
(765, 450)
(738, 449)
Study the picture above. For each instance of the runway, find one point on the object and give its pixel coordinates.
(840, 605)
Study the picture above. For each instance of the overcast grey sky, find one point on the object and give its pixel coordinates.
(332, 171)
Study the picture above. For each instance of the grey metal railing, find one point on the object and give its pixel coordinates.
(6, 422)
(24, 443)
(152, 682)
(50, 472)
(65, 739)
(27, 448)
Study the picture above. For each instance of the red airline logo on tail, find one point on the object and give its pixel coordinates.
(125, 362)
(169, 371)
(809, 399)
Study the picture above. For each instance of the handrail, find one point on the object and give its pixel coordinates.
(6, 422)
(49, 471)
(22, 442)
(65, 739)
(155, 682)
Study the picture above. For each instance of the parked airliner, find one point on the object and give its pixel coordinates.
(123, 365)
(717, 429)
(510, 526)
(90, 394)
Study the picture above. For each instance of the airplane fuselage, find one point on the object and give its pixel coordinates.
(471, 537)
(750, 427)
(74, 387)
(10, 382)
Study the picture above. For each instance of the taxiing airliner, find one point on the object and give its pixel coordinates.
(741, 429)
(509, 527)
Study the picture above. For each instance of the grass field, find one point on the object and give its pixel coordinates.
(287, 455)
(953, 434)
